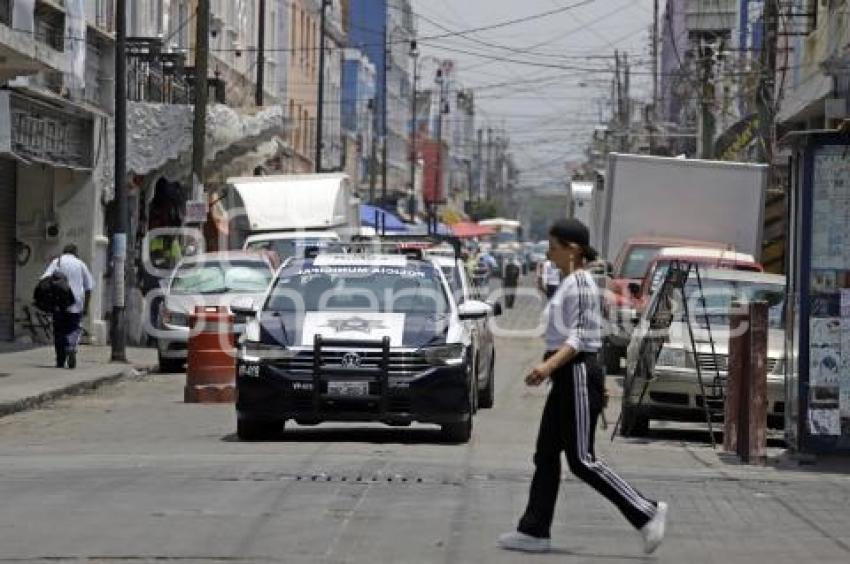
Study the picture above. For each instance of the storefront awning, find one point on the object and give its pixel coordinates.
(387, 220)
(466, 230)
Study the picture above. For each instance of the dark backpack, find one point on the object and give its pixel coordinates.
(53, 293)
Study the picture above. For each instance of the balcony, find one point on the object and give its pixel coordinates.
(711, 16)
(33, 45)
(160, 77)
(154, 76)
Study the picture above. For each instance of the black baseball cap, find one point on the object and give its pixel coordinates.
(571, 230)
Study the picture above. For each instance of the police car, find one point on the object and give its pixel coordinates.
(358, 336)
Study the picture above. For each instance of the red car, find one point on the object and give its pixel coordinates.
(628, 271)
(703, 257)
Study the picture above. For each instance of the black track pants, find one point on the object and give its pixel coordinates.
(566, 425)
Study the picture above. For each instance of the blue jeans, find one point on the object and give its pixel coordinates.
(66, 334)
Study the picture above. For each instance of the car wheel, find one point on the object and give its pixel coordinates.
(168, 365)
(633, 424)
(487, 396)
(258, 429)
(459, 432)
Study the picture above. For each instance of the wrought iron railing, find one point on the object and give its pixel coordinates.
(154, 75)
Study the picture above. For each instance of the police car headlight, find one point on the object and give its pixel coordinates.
(676, 358)
(255, 352)
(444, 355)
(251, 333)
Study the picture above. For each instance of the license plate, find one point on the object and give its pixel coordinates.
(348, 389)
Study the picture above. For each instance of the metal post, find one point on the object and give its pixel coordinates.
(261, 53)
(320, 112)
(118, 321)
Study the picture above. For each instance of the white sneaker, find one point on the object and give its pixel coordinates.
(524, 543)
(653, 532)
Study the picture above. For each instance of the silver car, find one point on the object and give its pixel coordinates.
(211, 279)
(673, 392)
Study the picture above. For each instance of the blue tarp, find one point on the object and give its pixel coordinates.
(387, 220)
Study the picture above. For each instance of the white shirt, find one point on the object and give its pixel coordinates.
(573, 315)
(551, 274)
(79, 278)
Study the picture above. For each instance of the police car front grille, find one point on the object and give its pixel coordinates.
(401, 363)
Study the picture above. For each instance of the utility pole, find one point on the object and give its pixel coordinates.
(438, 188)
(706, 121)
(414, 53)
(384, 110)
(261, 53)
(118, 321)
(653, 117)
(765, 100)
(479, 163)
(373, 155)
(320, 112)
(199, 126)
(489, 172)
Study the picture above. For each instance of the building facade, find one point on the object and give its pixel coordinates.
(357, 103)
(55, 158)
(383, 30)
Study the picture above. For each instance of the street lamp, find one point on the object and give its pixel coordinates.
(414, 54)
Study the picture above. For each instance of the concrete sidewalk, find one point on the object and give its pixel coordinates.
(29, 378)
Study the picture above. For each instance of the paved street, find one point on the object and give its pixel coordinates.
(130, 473)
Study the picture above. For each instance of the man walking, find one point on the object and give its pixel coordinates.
(66, 323)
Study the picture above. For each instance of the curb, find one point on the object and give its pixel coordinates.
(75, 389)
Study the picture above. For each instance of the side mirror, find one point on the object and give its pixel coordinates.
(634, 289)
(497, 308)
(473, 310)
(244, 306)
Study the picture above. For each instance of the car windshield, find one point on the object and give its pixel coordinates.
(219, 277)
(717, 296)
(286, 248)
(408, 288)
(638, 261)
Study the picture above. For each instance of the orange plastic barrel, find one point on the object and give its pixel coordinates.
(211, 363)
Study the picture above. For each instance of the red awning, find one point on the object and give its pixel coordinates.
(466, 229)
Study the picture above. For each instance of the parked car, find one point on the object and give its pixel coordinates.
(484, 344)
(210, 279)
(671, 390)
(628, 270)
(704, 258)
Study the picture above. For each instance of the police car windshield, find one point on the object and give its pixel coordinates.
(397, 286)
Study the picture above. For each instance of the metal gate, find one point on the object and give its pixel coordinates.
(7, 248)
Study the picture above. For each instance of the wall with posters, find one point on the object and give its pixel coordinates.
(819, 314)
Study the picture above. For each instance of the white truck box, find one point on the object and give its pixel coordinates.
(681, 198)
(291, 203)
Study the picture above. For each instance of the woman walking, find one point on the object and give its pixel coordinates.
(575, 399)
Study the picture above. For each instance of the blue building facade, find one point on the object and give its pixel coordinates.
(367, 31)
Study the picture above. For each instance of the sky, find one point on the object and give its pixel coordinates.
(556, 81)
